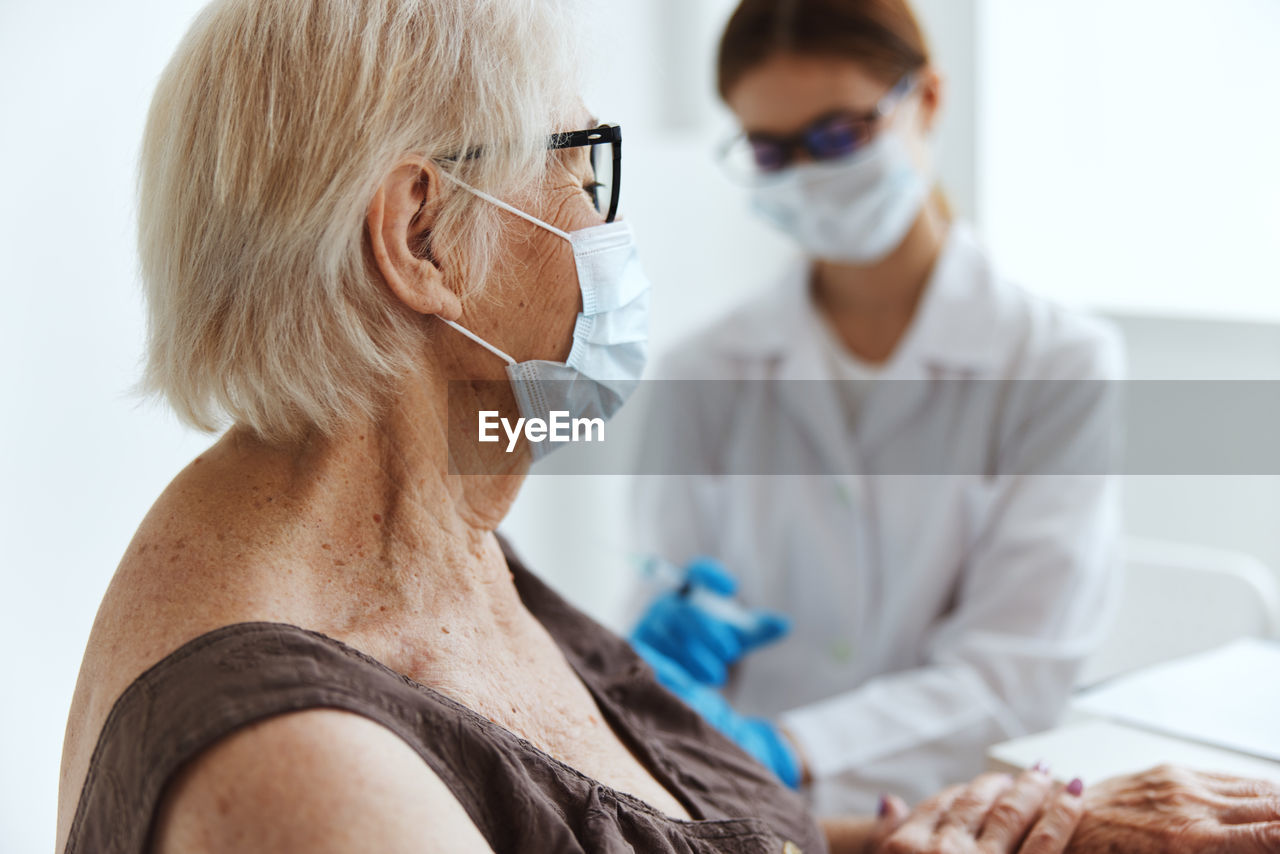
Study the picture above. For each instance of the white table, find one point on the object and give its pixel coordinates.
(1217, 711)
(1098, 749)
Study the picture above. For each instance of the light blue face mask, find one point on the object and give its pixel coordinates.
(610, 337)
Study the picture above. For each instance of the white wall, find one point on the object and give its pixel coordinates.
(1232, 512)
(1129, 152)
(81, 462)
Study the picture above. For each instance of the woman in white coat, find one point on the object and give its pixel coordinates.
(937, 607)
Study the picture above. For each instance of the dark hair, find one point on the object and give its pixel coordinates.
(884, 35)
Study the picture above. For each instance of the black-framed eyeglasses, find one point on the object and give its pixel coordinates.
(831, 136)
(606, 166)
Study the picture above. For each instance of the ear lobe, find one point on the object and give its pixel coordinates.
(399, 221)
(931, 91)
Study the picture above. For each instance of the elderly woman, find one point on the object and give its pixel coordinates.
(351, 212)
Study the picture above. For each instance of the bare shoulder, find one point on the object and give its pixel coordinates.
(321, 781)
(189, 569)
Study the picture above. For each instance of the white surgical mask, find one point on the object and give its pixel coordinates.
(610, 336)
(857, 210)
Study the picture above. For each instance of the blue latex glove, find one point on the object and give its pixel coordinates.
(756, 736)
(704, 645)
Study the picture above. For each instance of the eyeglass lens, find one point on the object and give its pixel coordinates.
(829, 138)
(603, 186)
(770, 155)
(837, 136)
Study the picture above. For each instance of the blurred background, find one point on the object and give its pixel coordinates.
(1117, 155)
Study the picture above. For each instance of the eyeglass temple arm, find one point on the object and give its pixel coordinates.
(593, 136)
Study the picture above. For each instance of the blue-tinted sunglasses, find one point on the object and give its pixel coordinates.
(829, 137)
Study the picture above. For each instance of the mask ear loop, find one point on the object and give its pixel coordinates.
(483, 343)
(494, 200)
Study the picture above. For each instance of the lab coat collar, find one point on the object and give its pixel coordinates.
(954, 328)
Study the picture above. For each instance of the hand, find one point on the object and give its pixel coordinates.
(756, 736)
(1173, 810)
(994, 814)
(701, 643)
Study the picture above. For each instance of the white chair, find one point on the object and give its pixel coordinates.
(1177, 600)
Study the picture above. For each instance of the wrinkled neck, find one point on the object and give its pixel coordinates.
(375, 517)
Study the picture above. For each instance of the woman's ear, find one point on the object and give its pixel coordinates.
(932, 87)
(399, 221)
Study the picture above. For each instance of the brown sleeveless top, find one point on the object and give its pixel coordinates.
(519, 797)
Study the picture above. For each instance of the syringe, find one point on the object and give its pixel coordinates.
(718, 605)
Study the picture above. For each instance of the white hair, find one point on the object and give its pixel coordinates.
(269, 132)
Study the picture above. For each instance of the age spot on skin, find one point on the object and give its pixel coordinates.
(377, 517)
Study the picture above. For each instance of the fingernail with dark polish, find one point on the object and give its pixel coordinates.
(883, 809)
(1076, 787)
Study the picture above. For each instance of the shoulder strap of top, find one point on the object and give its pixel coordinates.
(244, 673)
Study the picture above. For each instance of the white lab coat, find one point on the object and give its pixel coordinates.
(933, 615)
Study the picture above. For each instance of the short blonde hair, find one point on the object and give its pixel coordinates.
(268, 134)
